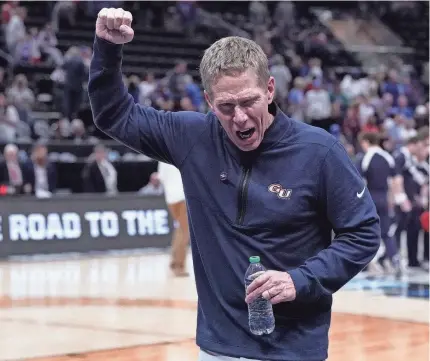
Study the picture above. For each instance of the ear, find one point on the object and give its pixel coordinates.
(208, 100)
(271, 90)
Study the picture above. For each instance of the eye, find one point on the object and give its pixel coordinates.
(248, 103)
(226, 108)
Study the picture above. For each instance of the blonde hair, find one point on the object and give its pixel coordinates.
(233, 55)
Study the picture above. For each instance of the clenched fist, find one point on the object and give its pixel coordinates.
(114, 25)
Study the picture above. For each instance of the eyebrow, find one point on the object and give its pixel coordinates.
(244, 99)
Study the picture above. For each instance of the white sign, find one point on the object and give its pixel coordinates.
(70, 225)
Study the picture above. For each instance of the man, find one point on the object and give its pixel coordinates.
(378, 169)
(39, 173)
(408, 182)
(99, 175)
(170, 177)
(256, 183)
(153, 188)
(318, 105)
(423, 198)
(11, 169)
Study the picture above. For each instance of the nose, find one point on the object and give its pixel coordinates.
(240, 116)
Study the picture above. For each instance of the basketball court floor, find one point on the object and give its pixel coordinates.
(129, 307)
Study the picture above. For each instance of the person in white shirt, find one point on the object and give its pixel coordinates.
(9, 120)
(318, 106)
(170, 178)
(153, 188)
(11, 171)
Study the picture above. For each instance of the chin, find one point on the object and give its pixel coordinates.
(247, 147)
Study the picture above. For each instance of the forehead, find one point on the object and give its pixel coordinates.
(236, 87)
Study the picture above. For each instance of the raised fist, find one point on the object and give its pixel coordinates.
(114, 25)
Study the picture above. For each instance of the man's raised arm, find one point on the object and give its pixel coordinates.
(165, 136)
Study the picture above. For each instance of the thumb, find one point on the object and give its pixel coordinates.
(127, 32)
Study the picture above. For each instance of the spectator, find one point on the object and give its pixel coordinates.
(11, 169)
(296, 99)
(366, 110)
(75, 76)
(188, 15)
(351, 124)
(15, 29)
(27, 49)
(2, 80)
(258, 14)
(146, 88)
(421, 116)
(99, 175)
(193, 93)
(9, 120)
(7, 11)
(48, 45)
(318, 106)
(154, 186)
(175, 80)
(392, 85)
(133, 87)
(63, 9)
(403, 108)
(78, 132)
(21, 96)
(339, 103)
(282, 76)
(61, 130)
(40, 174)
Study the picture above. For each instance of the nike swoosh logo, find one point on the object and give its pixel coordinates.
(359, 195)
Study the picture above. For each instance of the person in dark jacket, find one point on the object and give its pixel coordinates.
(256, 183)
(75, 75)
(39, 173)
(99, 175)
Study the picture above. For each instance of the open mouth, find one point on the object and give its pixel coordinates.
(246, 133)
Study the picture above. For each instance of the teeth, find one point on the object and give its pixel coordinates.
(245, 134)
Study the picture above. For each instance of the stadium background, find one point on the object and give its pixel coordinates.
(346, 66)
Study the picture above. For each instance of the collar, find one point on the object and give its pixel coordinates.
(281, 124)
(405, 150)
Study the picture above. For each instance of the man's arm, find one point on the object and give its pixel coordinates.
(399, 195)
(350, 210)
(164, 136)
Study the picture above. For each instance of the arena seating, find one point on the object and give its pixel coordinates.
(413, 28)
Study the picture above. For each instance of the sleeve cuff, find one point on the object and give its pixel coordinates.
(301, 284)
(108, 54)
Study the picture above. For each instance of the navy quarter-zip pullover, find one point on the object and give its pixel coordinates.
(280, 202)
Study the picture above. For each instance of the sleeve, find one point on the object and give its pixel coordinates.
(393, 167)
(399, 161)
(349, 208)
(164, 136)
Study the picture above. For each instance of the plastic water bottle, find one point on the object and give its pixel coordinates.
(260, 312)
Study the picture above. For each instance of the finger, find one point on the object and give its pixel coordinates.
(285, 296)
(260, 280)
(272, 292)
(110, 19)
(118, 17)
(103, 15)
(277, 299)
(258, 292)
(127, 18)
(126, 32)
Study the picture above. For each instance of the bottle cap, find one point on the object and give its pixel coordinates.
(254, 259)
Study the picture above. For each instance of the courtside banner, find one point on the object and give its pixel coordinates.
(82, 223)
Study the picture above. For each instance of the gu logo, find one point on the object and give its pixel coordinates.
(281, 192)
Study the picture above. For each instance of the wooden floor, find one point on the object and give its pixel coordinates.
(131, 308)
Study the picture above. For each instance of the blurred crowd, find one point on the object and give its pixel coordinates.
(392, 102)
